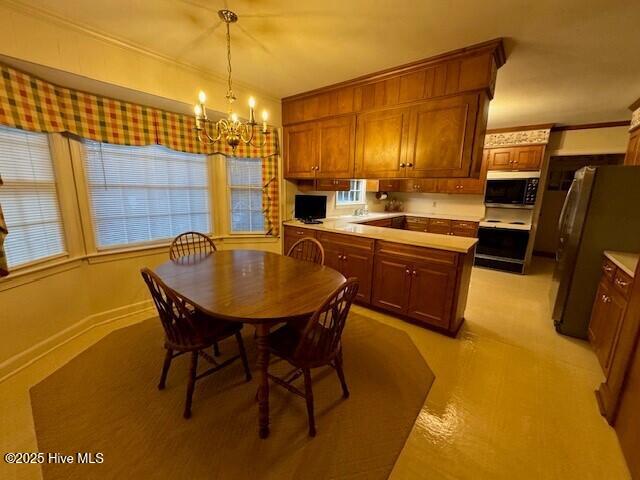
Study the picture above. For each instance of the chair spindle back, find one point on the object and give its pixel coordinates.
(190, 243)
(307, 249)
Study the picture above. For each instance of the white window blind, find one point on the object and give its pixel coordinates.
(244, 178)
(354, 196)
(28, 197)
(144, 194)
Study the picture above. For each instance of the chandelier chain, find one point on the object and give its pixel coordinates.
(230, 96)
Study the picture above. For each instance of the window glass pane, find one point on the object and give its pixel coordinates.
(28, 197)
(142, 194)
(244, 178)
(353, 196)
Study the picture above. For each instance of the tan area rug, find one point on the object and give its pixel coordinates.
(106, 400)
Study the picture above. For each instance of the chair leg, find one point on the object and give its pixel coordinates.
(165, 368)
(243, 356)
(308, 394)
(216, 350)
(340, 372)
(192, 383)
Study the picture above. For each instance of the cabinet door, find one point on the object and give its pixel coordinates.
(439, 225)
(606, 317)
(500, 159)
(391, 279)
(301, 150)
(336, 147)
(431, 293)
(528, 158)
(332, 255)
(359, 264)
(381, 144)
(293, 234)
(441, 137)
(633, 149)
(462, 228)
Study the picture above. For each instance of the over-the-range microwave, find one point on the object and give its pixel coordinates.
(511, 189)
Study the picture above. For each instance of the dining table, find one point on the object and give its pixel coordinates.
(254, 287)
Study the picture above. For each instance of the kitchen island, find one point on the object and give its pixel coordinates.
(418, 276)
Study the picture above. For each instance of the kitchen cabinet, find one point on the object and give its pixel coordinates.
(419, 185)
(515, 158)
(353, 257)
(439, 225)
(322, 149)
(293, 234)
(633, 148)
(612, 333)
(420, 283)
(464, 228)
(381, 138)
(383, 222)
(469, 186)
(331, 185)
(441, 137)
(417, 224)
(461, 228)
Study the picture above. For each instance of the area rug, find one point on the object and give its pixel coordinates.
(106, 401)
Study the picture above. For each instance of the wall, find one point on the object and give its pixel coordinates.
(435, 203)
(589, 141)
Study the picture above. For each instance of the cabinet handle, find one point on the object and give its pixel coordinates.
(608, 268)
(408, 271)
(621, 283)
(606, 298)
(402, 165)
(299, 233)
(414, 273)
(410, 165)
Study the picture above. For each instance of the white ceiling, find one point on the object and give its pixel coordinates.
(568, 61)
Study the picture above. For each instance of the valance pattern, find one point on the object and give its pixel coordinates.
(4, 269)
(29, 103)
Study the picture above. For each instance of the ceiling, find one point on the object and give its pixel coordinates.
(568, 62)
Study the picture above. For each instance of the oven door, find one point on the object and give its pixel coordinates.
(503, 243)
(506, 192)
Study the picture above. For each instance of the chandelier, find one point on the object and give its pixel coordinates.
(231, 129)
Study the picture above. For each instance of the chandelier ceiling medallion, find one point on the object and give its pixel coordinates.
(231, 129)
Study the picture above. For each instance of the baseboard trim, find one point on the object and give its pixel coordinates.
(134, 312)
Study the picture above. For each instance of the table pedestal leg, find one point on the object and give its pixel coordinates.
(262, 331)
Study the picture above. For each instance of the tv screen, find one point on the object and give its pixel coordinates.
(310, 207)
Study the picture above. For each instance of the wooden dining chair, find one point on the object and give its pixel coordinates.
(188, 330)
(307, 249)
(189, 243)
(317, 345)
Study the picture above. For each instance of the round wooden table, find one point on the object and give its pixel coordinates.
(255, 287)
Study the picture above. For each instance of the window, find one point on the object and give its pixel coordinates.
(144, 194)
(244, 178)
(354, 196)
(29, 199)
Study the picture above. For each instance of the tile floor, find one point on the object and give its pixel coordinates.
(512, 399)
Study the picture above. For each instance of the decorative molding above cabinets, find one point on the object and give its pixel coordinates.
(515, 139)
(635, 119)
(426, 119)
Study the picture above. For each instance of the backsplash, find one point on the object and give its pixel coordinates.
(439, 203)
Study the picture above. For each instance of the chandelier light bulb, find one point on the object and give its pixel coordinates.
(265, 115)
(234, 117)
(202, 97)
(252, 103)
(198, 111)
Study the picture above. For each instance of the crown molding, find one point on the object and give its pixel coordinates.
(513, 139)
(125, 44)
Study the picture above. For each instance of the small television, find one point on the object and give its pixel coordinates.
(309, 208)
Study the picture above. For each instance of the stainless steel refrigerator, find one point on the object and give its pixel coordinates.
(601, 212)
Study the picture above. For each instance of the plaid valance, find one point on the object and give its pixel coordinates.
(4, 270)
(29, 103)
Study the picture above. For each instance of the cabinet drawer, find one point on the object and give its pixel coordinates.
(464, 232)
(411, 253)
(299, 232)
(608, 268)
(622, 282)
(419, 220)
(440, 222)
(348, 240)
(331, 185)
(464, 224)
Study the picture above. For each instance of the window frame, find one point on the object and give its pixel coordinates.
(228, 189)
(57, 157)
(363, 193)
(78, 154)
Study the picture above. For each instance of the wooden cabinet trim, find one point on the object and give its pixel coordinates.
(345, 240)
(412, 253)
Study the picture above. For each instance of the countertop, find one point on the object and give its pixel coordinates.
(352, 225)
(626, 261)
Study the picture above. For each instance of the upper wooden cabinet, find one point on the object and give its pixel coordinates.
(515, 158)
(381, 140)
(441, 136)
(425, 119)
(633, 149)
(323, 149)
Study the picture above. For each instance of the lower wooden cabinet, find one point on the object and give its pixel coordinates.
(423, 284)
(293, 234)
(352, 256)
(632, 156)
(607, 315)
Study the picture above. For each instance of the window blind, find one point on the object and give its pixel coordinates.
(353, 196)
(29, 199)
(143, 194)
(245, 187)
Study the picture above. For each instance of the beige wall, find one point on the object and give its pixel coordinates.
(589, 141)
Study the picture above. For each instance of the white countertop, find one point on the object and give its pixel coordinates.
(626, 261)
(352, 225)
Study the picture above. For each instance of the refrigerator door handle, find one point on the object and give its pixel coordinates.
(563, 212)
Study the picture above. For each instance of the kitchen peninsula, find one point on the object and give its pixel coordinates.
(419, 276)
